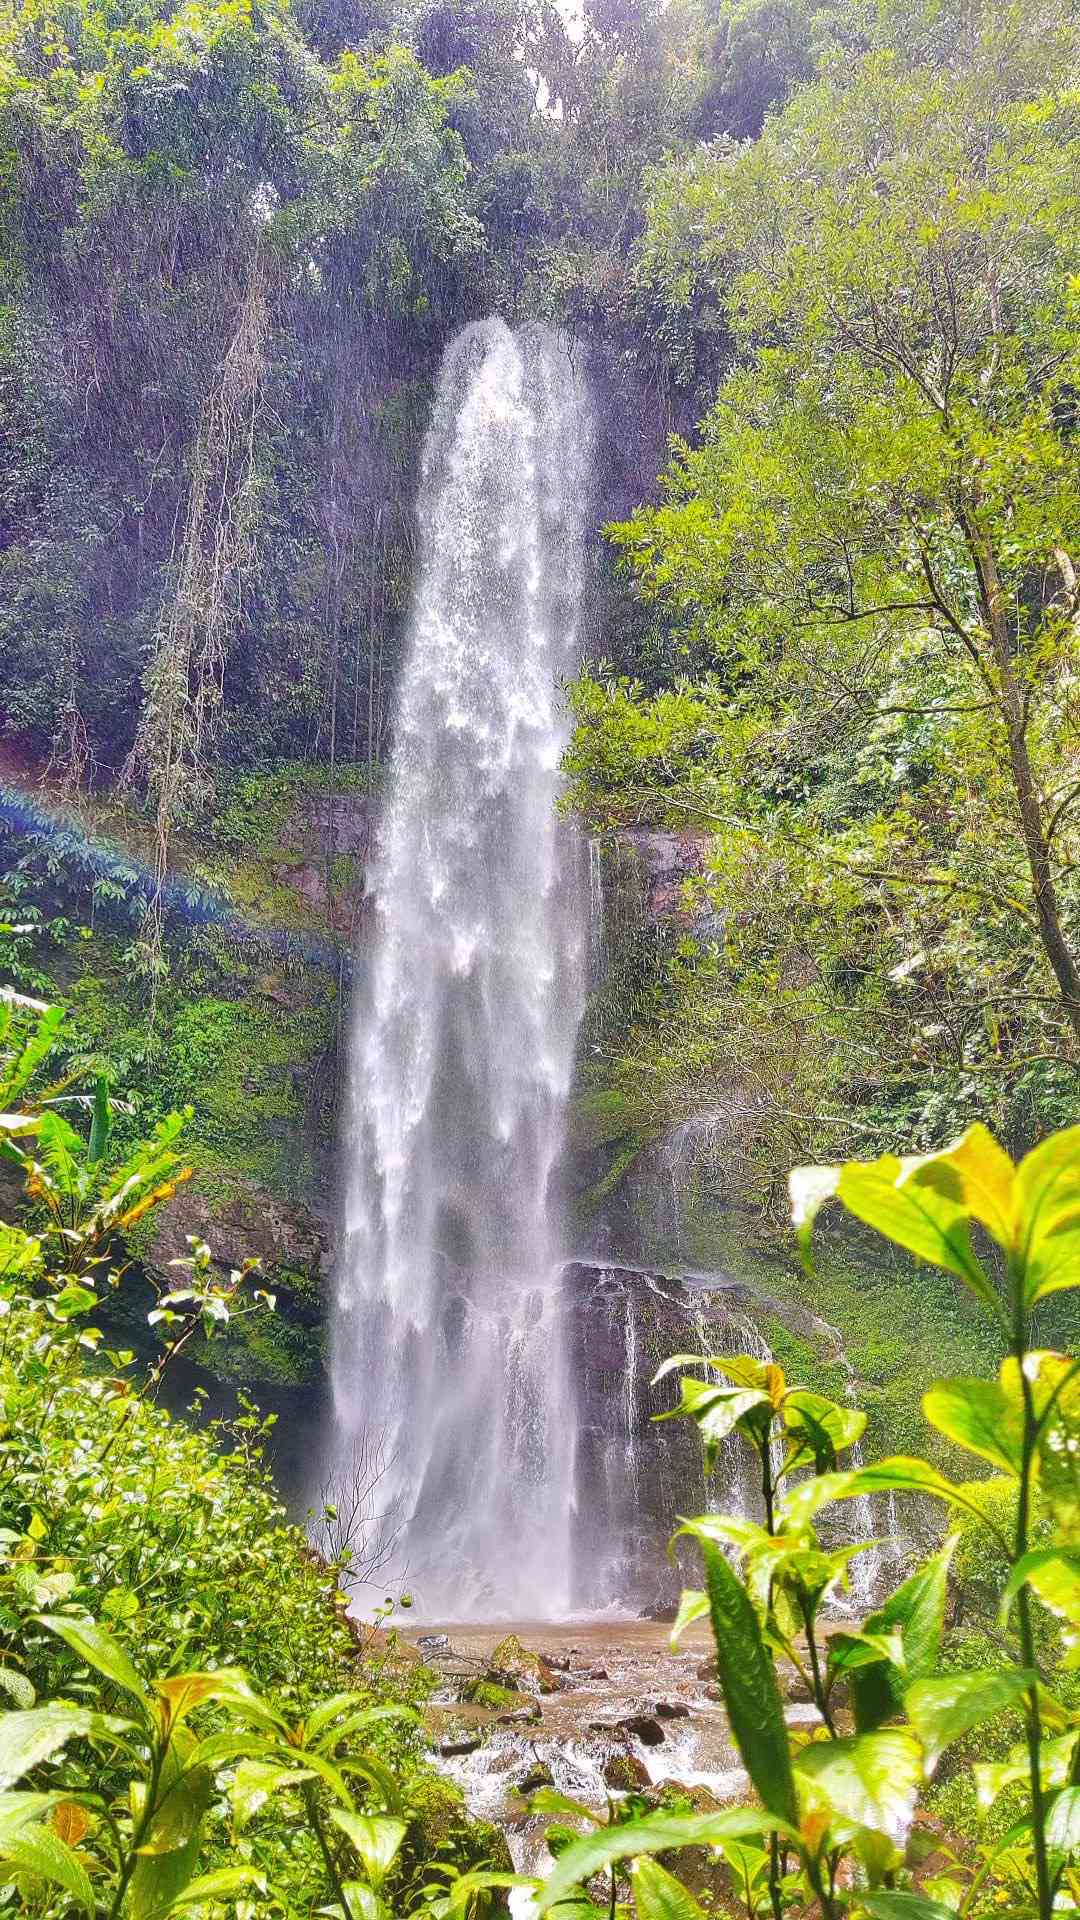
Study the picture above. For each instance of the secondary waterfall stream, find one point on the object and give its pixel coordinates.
(447, 1351)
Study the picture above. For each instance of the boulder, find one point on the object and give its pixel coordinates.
(637, 1726)
(538, 1775)
(625, 1773)
(454, 1744)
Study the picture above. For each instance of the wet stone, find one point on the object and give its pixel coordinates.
(538, 1775)
(638, 1726)
(454, 1744)
(625, 1773)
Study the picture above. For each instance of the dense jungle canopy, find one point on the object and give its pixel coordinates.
(833, 250)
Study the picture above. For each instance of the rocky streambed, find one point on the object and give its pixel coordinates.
(594, 1709)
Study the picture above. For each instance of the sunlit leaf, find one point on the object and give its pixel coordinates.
(659, 1896)
(872, 1779)
(693, 1605)
(654, 1834)
(978, 1416)
(31, 1736)
(1063, 1825)
(1048, 1205)
(376, 1840)
(99, 1650)
(41, 1851)
(255, 1781)
(748, 1683)
(944, 1709)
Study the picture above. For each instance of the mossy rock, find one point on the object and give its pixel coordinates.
(440, 1827)
(512, 1660)
(490, 1694)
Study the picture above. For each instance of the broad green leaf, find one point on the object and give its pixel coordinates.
(99, 1650)
(748, 1683)
(463, 1890)
(17, 1808)
(223, 1884)
(159, 1880)
(653, 1834)
(918, 1608)
(745, 1371)
(1053, 1574)
(183, 1797)
(377, 1841)
(944, 1709)
(872, 1779)
(329, 1710)
(730, 1528)
(820, 1426)
(693, 1605)
(362, 1902)
(256, 1780)
(898, 1474)
(716, 1410)
(679, 1360)
(31, 1736)
(987, 1179)
(358, 1723)
(230, 1687)
(1063, 1825)
(550, 1800)
(100, 1124)
(1048, 1208)
(849, 1651)
(919, 1210)
(886, 1905)
(659, 1896)
(40, 1851)
(17, 1686)
(979, 1416)
(374, 1770)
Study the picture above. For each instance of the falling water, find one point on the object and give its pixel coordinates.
(446, 1334)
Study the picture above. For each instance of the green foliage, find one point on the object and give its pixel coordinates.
(836, 1830)
(867, 553)
(190, 1719)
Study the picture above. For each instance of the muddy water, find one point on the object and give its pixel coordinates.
(612, 1672)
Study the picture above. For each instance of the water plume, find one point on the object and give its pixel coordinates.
(446, 1337)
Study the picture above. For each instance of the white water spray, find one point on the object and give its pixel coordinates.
(446, 1341)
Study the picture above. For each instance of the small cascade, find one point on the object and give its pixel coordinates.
(875, 1522)
(597, 918)
(631, 1390)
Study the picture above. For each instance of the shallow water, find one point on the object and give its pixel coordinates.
(616, 1668)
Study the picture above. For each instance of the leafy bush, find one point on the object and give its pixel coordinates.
(226, 1738)
(834, 1829)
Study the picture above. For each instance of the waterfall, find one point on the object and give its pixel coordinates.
(446, 1335)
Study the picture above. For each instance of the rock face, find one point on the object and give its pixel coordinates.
(326, 845)
(633, 1477)
(291, 1244)
(667, 861)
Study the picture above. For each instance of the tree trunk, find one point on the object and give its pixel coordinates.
(1029, 802)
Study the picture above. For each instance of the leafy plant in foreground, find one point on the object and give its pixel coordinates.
(835, 1829)
(266, 1768)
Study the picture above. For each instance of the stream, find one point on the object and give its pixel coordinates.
(628, 1713)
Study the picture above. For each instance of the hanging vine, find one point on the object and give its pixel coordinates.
(184, 680)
